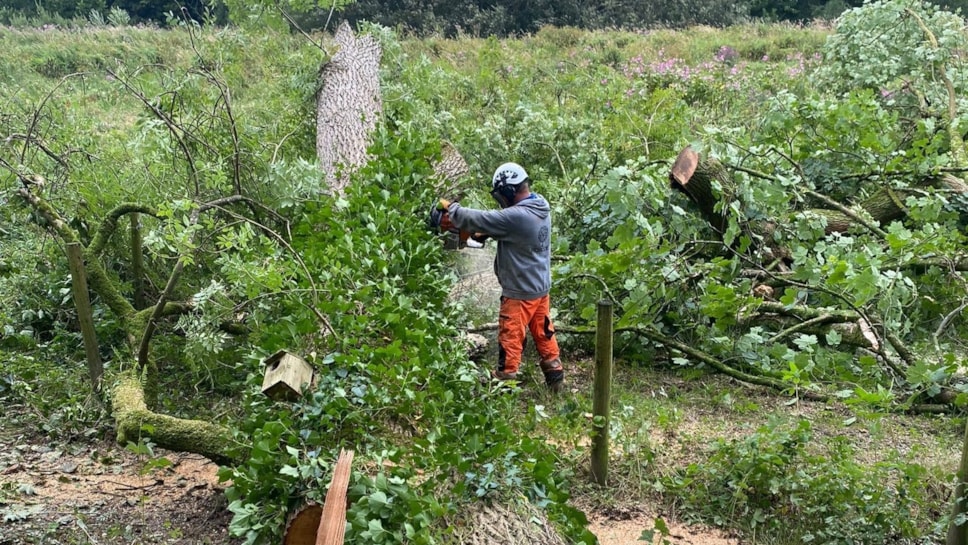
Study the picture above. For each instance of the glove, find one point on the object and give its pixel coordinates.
(480, 237)
(447, 225)
(436, 216)
(439, 220)
(443, 204)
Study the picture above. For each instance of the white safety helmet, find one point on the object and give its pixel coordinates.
(505, 183)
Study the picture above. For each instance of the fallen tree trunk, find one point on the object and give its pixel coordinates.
(134, 421)
(347, 106)
(698, 178)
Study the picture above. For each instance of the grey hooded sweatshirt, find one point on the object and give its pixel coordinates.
(523, 234)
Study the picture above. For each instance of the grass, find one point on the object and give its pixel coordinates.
(670, 425)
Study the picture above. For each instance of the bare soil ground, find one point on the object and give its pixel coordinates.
(625, 528)
(100, 493)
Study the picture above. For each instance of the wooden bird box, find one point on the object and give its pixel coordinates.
(286, 376)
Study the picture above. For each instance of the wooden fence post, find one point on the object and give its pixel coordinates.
(603, 393)
(958, 528)
(85, 317)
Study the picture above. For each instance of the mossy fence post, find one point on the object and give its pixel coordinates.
(85, 317)
(603, 393)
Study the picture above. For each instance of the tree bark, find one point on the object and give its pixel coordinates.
(137, 262)
(134, 421)
(85, 317)
(348, 105)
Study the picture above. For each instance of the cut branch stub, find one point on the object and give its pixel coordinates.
(696, 177)
(448, 171)
(347, 106)
(684, 168)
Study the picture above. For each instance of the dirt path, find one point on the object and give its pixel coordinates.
(626, 528)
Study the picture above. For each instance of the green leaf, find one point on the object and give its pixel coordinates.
(789, 297)
(379, 498)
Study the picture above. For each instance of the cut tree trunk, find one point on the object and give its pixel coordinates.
(695, 177)
(324, 525)
(707, 183)
(347, 106)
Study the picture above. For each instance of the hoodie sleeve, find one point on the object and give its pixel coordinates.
(496, 223)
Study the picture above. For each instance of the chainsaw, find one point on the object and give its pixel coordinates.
(455, 239)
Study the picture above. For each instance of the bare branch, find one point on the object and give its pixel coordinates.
(947, 320)
(807, 324)
(174, 128)
(303, 32)
(40, 144)
(110, 224)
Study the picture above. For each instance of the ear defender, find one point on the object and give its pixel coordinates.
(504, 184)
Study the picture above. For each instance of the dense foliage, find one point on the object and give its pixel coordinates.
(451, 17)
(393, 385)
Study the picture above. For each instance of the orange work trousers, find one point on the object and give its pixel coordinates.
(517, 317)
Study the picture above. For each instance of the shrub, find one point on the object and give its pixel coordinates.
(771, 482)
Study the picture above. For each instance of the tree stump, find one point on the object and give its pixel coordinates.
(326, 525)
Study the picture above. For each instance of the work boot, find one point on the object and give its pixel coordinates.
(554, 375)
(501, 375)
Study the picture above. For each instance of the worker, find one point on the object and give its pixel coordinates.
(522, 228)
